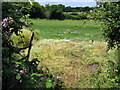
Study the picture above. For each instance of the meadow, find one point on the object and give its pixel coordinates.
(74, 52)
(67, 29)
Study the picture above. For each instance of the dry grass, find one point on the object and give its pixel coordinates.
(76, 63)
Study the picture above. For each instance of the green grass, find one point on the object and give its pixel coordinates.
(67, 29)
(79, 62)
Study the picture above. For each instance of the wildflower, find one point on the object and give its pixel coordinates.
(5, 22)
(21, 72)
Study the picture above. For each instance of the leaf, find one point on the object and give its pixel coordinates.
(36, 74)
(18, 62)
(18, 77)
(49, 81)
(49, 75)
(112, 80)
(48, 85)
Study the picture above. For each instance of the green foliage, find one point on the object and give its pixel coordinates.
(56, 13)
(11, 24)
(108, 13)
(51, 11)
(17, 70)
(35, 10)
(76, 15)
(77, 9)
(18, 77)
(24, 7)
(49, 84)
(37, 34)
(23, 39)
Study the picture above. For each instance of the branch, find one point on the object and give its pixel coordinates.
(30, 45)
(17, 50)
(27, 57)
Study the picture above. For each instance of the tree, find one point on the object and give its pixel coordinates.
(60, 6)
(68, 9)
(37, 11)
(56, 13)
(24, 7)
(108, 14)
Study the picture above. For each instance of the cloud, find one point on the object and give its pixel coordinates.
(65, 0)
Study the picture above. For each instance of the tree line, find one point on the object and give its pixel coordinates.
(59, 11)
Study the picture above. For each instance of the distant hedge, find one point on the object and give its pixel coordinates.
(75, 16)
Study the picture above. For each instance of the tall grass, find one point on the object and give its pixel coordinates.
(79, 64)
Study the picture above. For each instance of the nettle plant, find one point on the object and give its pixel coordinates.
(18, 71)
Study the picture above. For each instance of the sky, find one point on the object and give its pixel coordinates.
(72, 3)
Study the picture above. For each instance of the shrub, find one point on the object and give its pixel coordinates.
(57, 14)
(23, 39)
(18, 71)
(108, 14)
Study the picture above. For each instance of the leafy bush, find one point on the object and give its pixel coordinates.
(23, 39)
(108, 14)
(18, 71)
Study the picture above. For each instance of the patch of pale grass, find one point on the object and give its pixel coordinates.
(70, 60)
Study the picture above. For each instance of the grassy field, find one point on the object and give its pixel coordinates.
(67, 29)
(80, 64)
(65, 47)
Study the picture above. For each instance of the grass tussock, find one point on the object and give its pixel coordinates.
(80, 64)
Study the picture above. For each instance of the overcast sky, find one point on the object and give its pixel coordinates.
(72, 3)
